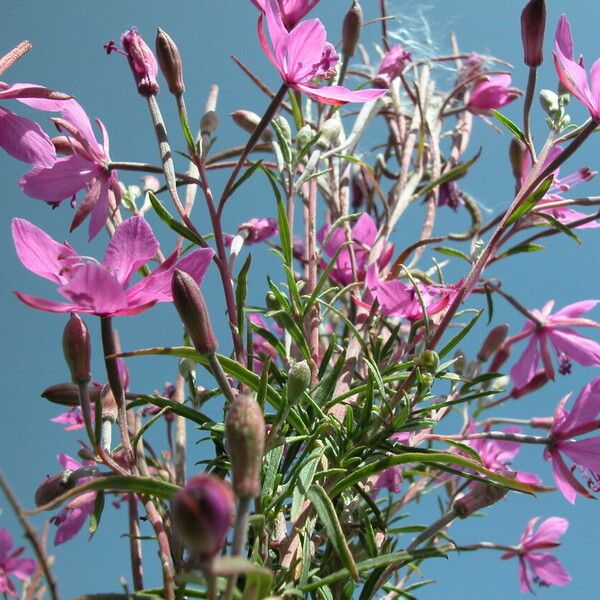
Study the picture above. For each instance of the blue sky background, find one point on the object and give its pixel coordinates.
(67, 55)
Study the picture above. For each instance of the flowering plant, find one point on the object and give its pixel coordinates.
(350, 379)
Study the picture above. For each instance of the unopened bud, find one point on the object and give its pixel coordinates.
(428, 361)
(304, 135)
(481, 495)
(53, 487)
(298, 381)
(516, 153)
(351, 29)
(209, 123)
(246, 119)
(202, 512)
(245, 433)
(109, 404)
(77, 349)
(67, 394)
(190, 305)
(492, 342)
(169, 61)
(285, 128)
(330, 131)
(535, 383)
(549, 102)
(500, 357)
(142, 62)
(533, 24)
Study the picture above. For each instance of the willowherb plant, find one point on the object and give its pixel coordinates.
(348, 379)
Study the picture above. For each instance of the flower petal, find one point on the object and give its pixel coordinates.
(583, 452)
(581, 349)
(49, 305)
(575, 310)
(565, 480)
(338, 95)
(548, 569)
(524, 369)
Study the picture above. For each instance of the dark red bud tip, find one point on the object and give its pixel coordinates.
(202, 513)
(169, 61)
(190, 305)
(77, 349)
(245, 433)
(351, 28)
(533, 25)
(142, 62)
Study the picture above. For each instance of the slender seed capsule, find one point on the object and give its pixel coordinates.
(245, 432)
(77, 349)
(169, 61)
(190, 305)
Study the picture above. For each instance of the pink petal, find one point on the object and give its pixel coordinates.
(21, 568)
(49, 305)
(303, 50)
(585, 408)
(67, 462)
(94, 289)
(32, 94)
(73, 112)
(565, 480)
(583, 452)
(575, 310)
(338, 95)
(563, 39)
(548, 569)
(524, 585)
(364, 230)
(132, 246)
(64, 179)
(581, 349)
(524, 369)
(100, 210)
(6, 544)
(72, 522)
(548, 532)
(97, 190)
(41, 254)
(574, 78)
(25, 140)
(265, 45)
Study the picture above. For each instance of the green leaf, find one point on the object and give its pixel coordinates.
(95, 517)
(326, 387)
(452, 252)
(459, 336)
(286, 151)
(174, 407)
(326, 511)
(247, 174)
(560, 226)
(305, 479)
(241, 290)
(528, 203)
(520, 249)
(172, 223)
(258, 579)
(512, 128)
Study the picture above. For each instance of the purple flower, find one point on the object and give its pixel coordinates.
(567, 343)
(291, 10)
(22, 138)
(364, 233)
(86, 168)
(303, 54)
(534, 564)
(572, 74)
(71, 519)
(490, 92)
(584, 453)
(391, 65)
(11, 564)
(104, 288)
(141, 61)
(390, 479)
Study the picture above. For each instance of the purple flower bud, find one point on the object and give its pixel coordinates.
(492, 342)
(67, 394)
(202, 513)
(540, 379)
(53, 487)
(169, 60)
(209, 122)
(481, 495)
(516, 154)
(351, 29)
(141, 61)
(245, 432)
(190, 305)
(77, 349)
(533, 24)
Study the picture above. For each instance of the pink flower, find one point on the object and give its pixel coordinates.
(73, 516)
(390, 479)
(364, 233)
(22, 138)
(392, 64)
(567, 343)
(104, 288)
(262, 348)
(11, 564)
(258, 230)
(564, 214)
(492, 91)
(584, 453)
(303, 54)
(86, 168)
(572, 74)
(72, 419)
(291, 10)
(141, 61)
(542, 567)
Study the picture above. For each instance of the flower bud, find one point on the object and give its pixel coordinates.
(202, 512)
(109, 404)
(298, 381)
(481, 495)
(351, 29)
(190, 305)
(549, 102)
(428, 361)
(77, 349)
(304, 135)
(500, 357)
(286, 130)
(169, 61)
(246, 119)
(67, 394)
(330, 132)
(535, 383)
(53, 487)
(245, 432)
(209, 123)
(516, 153)
(141, 61)
(533, 24)
(492, 342)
